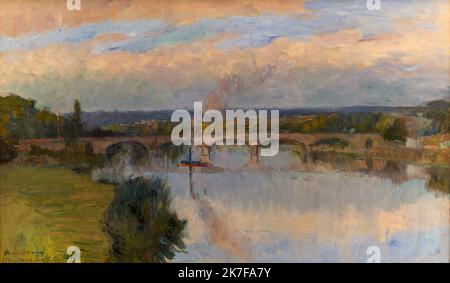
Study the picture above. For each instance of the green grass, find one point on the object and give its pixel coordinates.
(49, 209)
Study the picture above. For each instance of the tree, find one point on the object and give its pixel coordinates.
(396, 132)
(77, 118)
(369, 143)
(72, 125)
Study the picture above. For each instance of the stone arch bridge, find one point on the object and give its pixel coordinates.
(100, 144)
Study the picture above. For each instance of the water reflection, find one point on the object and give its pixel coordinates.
(439, 180)
(303, 206)
(169, 154)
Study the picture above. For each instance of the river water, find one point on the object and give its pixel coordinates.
(306, 207)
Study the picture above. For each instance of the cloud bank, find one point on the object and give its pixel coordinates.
(147, 55)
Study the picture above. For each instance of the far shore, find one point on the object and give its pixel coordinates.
(428, 152)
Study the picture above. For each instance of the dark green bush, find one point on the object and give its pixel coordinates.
(140, 223)
(7, 151)
(396, 132)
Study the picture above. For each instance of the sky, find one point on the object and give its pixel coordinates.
(154, 55)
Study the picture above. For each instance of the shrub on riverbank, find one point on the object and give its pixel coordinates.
(140, 223)
(79, 157)
(7, 151)
(396, 132)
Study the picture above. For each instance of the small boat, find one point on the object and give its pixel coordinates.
(186, 163)
(192, 163)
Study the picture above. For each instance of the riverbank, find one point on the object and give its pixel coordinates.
(44, 210)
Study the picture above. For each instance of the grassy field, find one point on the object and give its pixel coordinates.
(43, 211)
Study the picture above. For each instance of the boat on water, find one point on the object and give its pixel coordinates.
(192, 163)
(186, 163)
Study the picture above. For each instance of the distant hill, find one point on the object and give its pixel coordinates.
(92, 120)
(100, 118)
(438, 104)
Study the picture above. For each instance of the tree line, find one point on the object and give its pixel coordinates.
(20, 119)
(389, 127)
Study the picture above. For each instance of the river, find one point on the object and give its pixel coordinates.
(305, 207)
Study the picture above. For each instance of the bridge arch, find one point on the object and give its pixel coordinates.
(134, 149)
